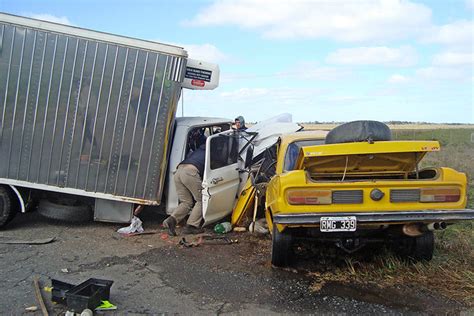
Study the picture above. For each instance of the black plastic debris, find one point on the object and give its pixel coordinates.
(58, 293)
(87, 294)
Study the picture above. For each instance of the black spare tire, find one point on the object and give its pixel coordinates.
(6, 208)
(359, 131)
(65, 212)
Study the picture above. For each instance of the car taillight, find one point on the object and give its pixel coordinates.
(308, 197)
(430, 195)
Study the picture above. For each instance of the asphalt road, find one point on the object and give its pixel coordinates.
(152, 274)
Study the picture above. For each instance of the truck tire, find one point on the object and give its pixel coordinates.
(282, 243)
(359, 131)
(64, 212)
(7, 211)
(418, 248)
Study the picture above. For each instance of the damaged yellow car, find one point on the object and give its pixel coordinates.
(355, 186)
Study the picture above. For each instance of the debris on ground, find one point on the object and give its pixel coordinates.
(87, 312)
(106, 306)
(261, 226)
(43, 241)
(240, 229)
(136, 226)
(31, 309)
(65, 270)
(207, 240)
(223, 228)
(188, 244)
(38, 296)
(218, 240)
(87, 295)
(136, 234)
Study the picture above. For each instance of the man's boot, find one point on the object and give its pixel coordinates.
(170, 224)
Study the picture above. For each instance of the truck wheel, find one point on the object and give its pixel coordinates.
(281, 248)
(419, 248)
(359, 131)
(65, 212)
(7, 212)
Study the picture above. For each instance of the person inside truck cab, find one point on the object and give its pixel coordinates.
(239, 123)
(195, 139)
(188, 181)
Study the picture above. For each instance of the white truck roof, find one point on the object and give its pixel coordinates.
(90, 34)
(197, 120)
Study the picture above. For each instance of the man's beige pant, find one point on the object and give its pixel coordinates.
(188, 186)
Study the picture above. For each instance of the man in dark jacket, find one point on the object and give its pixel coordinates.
(239, 123)
(188, 181)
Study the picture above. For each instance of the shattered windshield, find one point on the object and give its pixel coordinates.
(293, 150)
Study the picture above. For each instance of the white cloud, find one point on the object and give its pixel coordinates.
(470, 4)
(49, 17)
(342, 20)
(459, 33)
(205, 52)
(453, 59)
(244, 93)
(443, 73)
(300, 71)
(403, 56)
(312, 71)
(398, 79)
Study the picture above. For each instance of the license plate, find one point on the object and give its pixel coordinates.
(338, 224)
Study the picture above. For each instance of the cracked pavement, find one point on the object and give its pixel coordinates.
(153, 275)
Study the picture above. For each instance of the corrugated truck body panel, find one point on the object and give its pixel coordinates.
(81, 112)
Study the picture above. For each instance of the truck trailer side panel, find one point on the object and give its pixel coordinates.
(84, 113)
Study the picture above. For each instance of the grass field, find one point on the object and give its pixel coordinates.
(451, 272)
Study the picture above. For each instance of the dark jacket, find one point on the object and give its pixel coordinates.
(197, 159)
(242, 123)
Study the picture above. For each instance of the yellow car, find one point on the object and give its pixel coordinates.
(354, 193)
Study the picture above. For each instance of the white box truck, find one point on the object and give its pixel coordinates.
(88, 121)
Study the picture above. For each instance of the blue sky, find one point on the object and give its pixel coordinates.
(320, 60)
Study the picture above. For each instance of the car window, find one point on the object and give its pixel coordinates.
(224, 151)
(293, 150)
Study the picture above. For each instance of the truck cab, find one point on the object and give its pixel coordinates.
(185, 128)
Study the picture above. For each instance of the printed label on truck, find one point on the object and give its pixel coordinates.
(198, 74)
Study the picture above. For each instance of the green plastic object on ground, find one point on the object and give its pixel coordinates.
(223, 228)
(106, 306)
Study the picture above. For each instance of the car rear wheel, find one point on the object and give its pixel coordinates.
(419, 248)
(281, 247)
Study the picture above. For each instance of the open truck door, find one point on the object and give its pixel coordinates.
(221, 177)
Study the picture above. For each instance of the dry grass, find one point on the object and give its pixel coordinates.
(328, 126)
(451, 272)
(448, 274)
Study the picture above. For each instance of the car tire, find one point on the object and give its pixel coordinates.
(282, 243)
(359, 131)
(419, 248)
(7, 211)
(78, 213)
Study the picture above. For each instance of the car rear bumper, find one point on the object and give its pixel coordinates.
(392, 217)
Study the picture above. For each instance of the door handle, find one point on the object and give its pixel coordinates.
(216, 180)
